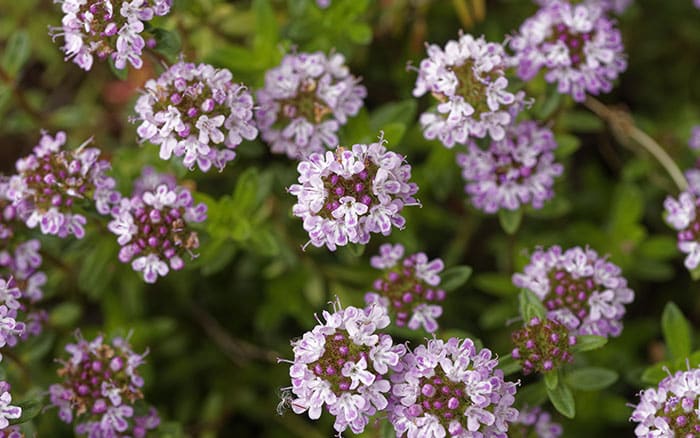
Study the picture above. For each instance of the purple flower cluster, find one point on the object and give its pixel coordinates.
(578, 288)
(7, 411)
(671, 409)
(191, 109)
(51, 181)
(535, 422)
(615, 6)
(154, 227)
(345, 195)
(12, 432)
(694, 141)
(542, 346)
(578, 47)
(341, 364)
(518, 169)
(468, 80)
(106, 28)
(24, 286)
(681, 214)
(305, 101)
(450, 388)
(408, 290)
(100, 386)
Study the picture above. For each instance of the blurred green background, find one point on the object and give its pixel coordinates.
(216, 329)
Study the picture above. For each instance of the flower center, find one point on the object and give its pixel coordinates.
(193, 98)
(574, 42)
(691, 232)
(358, 186)
(679, 414)
(305, 104)
(567, 292)
(163, 231)
(470, 87)
(441, 397)
(338, 350)
(542, 346)
(405, 291)
(99, 21)
(53, 185)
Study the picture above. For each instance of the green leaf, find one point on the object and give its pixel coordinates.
(455, 277)
(30, 409)
(495, 283)
(533, 394)
(655, 373)
(65, 315)
(265, 26)
(676, 331)
(508, 365)
(356, 249)
(551, 379)
(393, 132)
(567, 144)
(216, 256)
(360, 33)
(589, 342)
(591, 378)
(580, 121)
(563, 400)
(510, 220)
(246, 192)
(530, 306)
(16, 52)
(396, 112)
(167, 42)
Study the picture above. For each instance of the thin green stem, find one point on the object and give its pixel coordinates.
(624, 129)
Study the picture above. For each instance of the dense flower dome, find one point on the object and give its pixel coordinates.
(578, 288)
(517, 170)
(451, 389)
(106, 29)
(196, 112)
(306, 99)
(577, 46)
(467, 78)
(346, 195)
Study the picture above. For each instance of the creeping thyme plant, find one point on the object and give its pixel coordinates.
(374, 218)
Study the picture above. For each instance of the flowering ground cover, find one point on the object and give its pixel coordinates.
(390, 218)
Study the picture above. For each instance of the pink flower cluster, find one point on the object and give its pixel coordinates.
(578, 288)
(346, 195)
(100, 387)
(154, 227)
(305, 101)
(409, 288)
(468, 79)
(52, 184)
(190, 110)
(106, 29)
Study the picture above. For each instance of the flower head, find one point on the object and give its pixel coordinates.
(694, 141)
(408, 289)
(467, 78)
(100, 387)
(345, 195)
(341, 365)
(578, 288)
(451, 389)
(542, 346)
(671, 409)
(518, 169)
(7, 411)
(154, 229)
(577, 46)
(106, 29)
(681, 214)
(607, 6)
(535, 422)
(52, 183)
(196, 112)
(305, 101)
